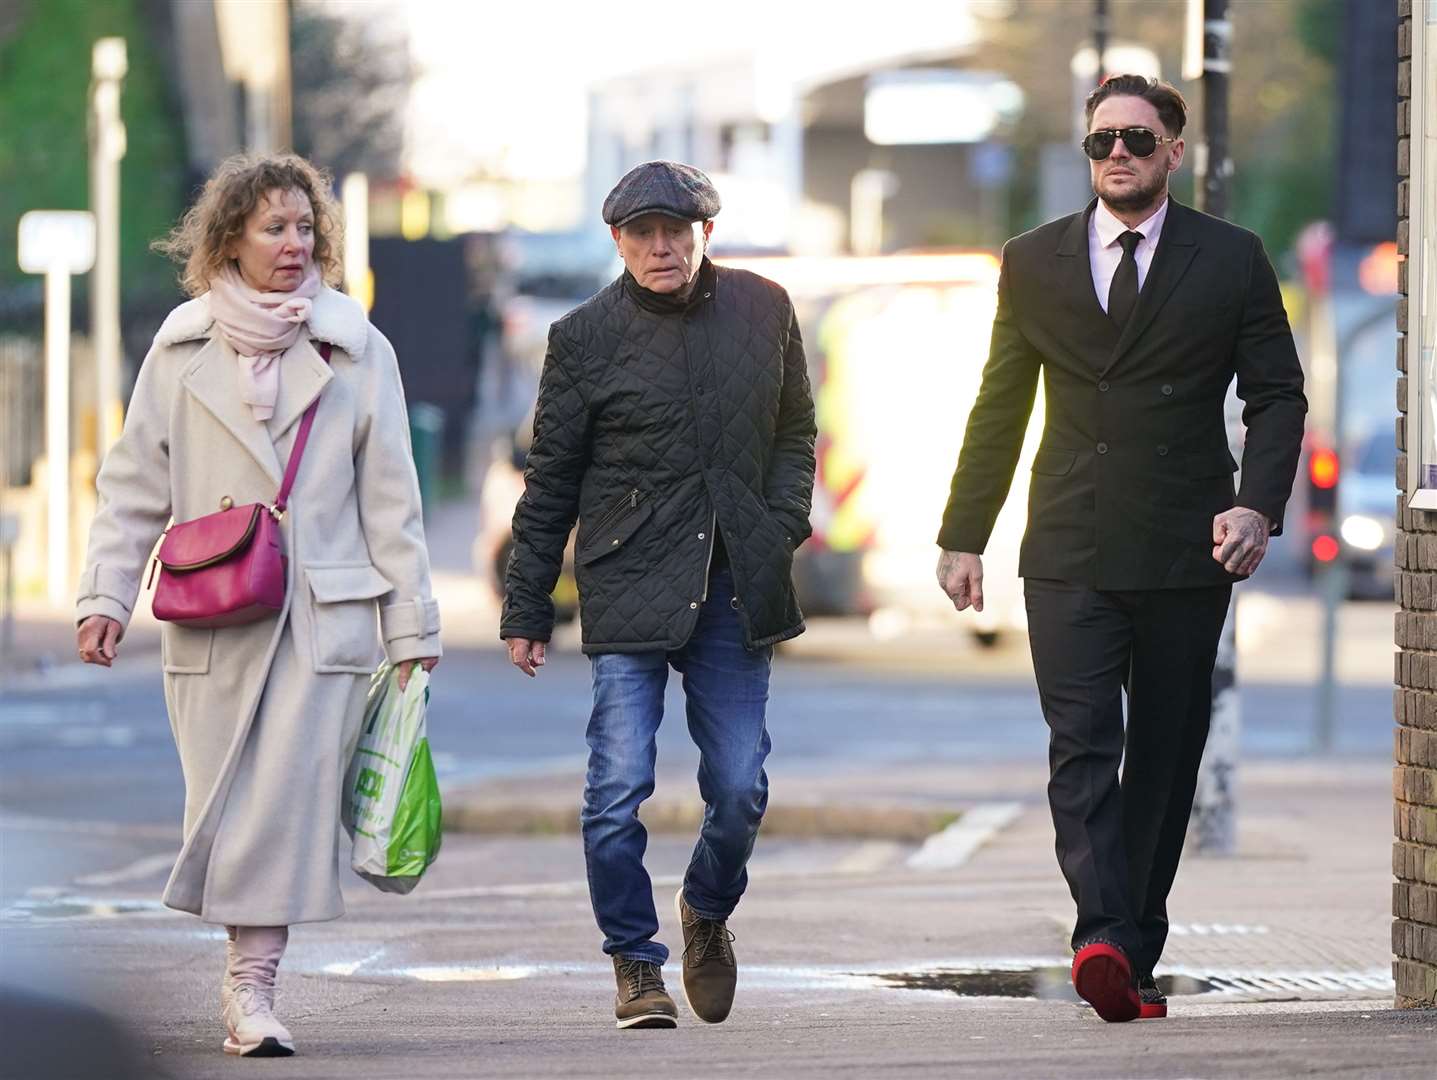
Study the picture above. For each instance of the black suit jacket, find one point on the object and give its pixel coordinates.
(1134, 460)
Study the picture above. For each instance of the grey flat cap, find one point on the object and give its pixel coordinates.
(661, 187)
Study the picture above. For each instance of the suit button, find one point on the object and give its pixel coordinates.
(1103, 386)
(1102, 448)
(1167, 389)
(701, 536)
(1162, 451)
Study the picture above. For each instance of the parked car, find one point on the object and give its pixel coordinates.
(545, 275)
(1366, 495)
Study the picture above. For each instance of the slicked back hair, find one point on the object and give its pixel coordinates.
(1172, 109)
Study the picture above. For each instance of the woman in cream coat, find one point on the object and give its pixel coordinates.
(265, 715)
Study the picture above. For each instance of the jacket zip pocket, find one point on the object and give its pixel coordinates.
(616, 513)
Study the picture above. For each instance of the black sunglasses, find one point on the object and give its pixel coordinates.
(1139, 140)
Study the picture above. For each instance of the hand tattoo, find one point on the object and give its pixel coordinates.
(1244, 543)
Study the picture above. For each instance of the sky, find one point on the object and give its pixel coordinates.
(503, 85)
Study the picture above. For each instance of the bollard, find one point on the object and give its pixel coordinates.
(426, 436)
(1214, 817)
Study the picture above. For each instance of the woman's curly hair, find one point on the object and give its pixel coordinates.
(202, 239)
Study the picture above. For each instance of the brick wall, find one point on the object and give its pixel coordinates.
(1414, 777)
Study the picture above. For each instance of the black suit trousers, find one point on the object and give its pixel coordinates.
(1119, 838)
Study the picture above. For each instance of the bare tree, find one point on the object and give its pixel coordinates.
(351, 77)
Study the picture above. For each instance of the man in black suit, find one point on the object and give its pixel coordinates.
(1138, 312)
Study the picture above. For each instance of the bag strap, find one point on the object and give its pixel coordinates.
(301, 437)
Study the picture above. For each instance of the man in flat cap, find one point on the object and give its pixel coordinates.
(675, 422)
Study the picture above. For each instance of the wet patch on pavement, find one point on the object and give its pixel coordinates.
(1052, 982)
(1046, 983)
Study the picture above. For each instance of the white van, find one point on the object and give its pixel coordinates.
(896, 347)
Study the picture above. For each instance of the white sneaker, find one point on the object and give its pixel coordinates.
(253, 1029)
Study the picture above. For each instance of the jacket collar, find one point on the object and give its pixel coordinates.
(667, 303)
(211, 374)
(335, 318)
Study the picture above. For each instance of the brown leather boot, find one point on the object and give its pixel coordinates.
(642, 1001)
(710, 969)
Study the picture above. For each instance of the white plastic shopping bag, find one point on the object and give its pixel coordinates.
(391, 795)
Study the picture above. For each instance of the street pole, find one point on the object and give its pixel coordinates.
(1100, 39)
(867, 192)
(1214, 808)
(57, 243)
(107, 147)
(358, 281)
(57, 432)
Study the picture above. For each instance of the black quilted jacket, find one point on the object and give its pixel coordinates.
(657, 419)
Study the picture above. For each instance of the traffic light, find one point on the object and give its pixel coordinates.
(1323, 469)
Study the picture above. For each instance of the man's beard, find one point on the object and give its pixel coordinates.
(1136, 198)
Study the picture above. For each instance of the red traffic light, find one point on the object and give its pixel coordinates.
(1322, 468)
(1324, 548)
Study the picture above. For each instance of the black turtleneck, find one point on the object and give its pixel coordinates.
(674, 303)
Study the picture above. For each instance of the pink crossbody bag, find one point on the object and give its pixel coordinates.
(229, 568)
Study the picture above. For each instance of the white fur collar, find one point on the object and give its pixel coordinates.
(336, 318)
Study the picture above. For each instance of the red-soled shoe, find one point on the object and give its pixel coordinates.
(1104, 978)
(1153, 1002)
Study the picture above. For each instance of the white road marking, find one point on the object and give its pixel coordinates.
(89, 828)
(140, 868)
(81, 908)
(870, 857)
(462, 973)
(350, 967)
(955, 845)
(531, 889)
(1204, 929)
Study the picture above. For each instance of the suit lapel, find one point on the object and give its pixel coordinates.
(213, 380)
(1075, 268)
(302, 375)
(1177, 245)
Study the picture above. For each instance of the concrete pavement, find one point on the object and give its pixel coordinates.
(854, 960)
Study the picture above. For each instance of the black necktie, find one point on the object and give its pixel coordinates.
(1123, 293)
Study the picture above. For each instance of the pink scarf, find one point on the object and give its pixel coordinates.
(260, 326)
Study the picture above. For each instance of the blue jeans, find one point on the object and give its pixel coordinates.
(726, 692)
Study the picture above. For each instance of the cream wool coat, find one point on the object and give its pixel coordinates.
(266, 715)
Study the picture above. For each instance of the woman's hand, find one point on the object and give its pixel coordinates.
(97, 638)
(406, 668)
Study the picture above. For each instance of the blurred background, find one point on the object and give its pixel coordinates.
(871, 160)
(874, 167)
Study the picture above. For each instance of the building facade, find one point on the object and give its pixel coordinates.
(1414, 853)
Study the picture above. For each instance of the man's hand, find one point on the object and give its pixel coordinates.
(406, 668)
(526, 655)
(960, 575)
(97, 638)
(1239, 538)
